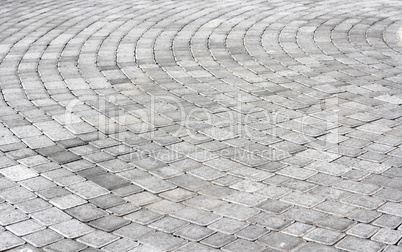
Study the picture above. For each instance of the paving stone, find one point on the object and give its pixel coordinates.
(123, 209)
(308, 216)
(310, 246)
(18, 173)
(236, 211)
(204, 202)
(298, 229)
(16, 195)
(123, 244)
(350, 243)
(144, 216)
(196, 216)
(192, 246)
(189, 182)
(389, 221)
(324, 236)
(67, 201)
(336, 223)
(168, 224)
(252, 232)
(43, 237)
(163, 241)
(87, 190)
(392, 208)
(8, 241)
(133, 231)
(302, 199)
(71, 228)
(365, 216)
(274, 206)
(243, 198)
(86, 212)
(362, 230)
(25, 227)
(107, 201)
(363, 201)
(269, 221)
(33, 205)
(242, 245)
(336, 208)
(194, 232)
(142, 198)
(218, 240)
(281, 241)
(357, 187)
(109, 181)
(97, 239)
(109, 223)
(65, 245)
(50, 216)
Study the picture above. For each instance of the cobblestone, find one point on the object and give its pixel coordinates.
(200, 125)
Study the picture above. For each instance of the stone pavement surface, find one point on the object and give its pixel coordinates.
(201, 125)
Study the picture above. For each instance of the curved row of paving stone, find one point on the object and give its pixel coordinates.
(187, 125)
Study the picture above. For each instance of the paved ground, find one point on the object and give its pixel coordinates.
(201, 125)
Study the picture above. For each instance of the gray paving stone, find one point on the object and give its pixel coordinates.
(242, 245)
(25, 227)
(196, 216)
(97, 239)
(8, 241)
(336, 223)
(50, 216)
(168, 224)
(270, 221)
(218, 240)
(298, 229)
(71, 228)
(123, 244)
(302, 199)
(392, 208)
(236, 211)
(144, 216)
(336, 208)
(388, 221)
(43, 237)
(109, 223)
(350, 243)
(86, 212)
(281, 241)
(107, 201)
(310, 246)
(65, 245)
(191, 246)
(133, 231)
(324, 236)
(163, 241)
(194, 232)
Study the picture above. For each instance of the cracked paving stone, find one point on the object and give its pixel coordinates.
(97, 239)
(163, 241)
(194, 232)
(72, 228)
(196, 216)
(218, 240)
(270, 221)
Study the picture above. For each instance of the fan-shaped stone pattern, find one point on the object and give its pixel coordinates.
(219, 125)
